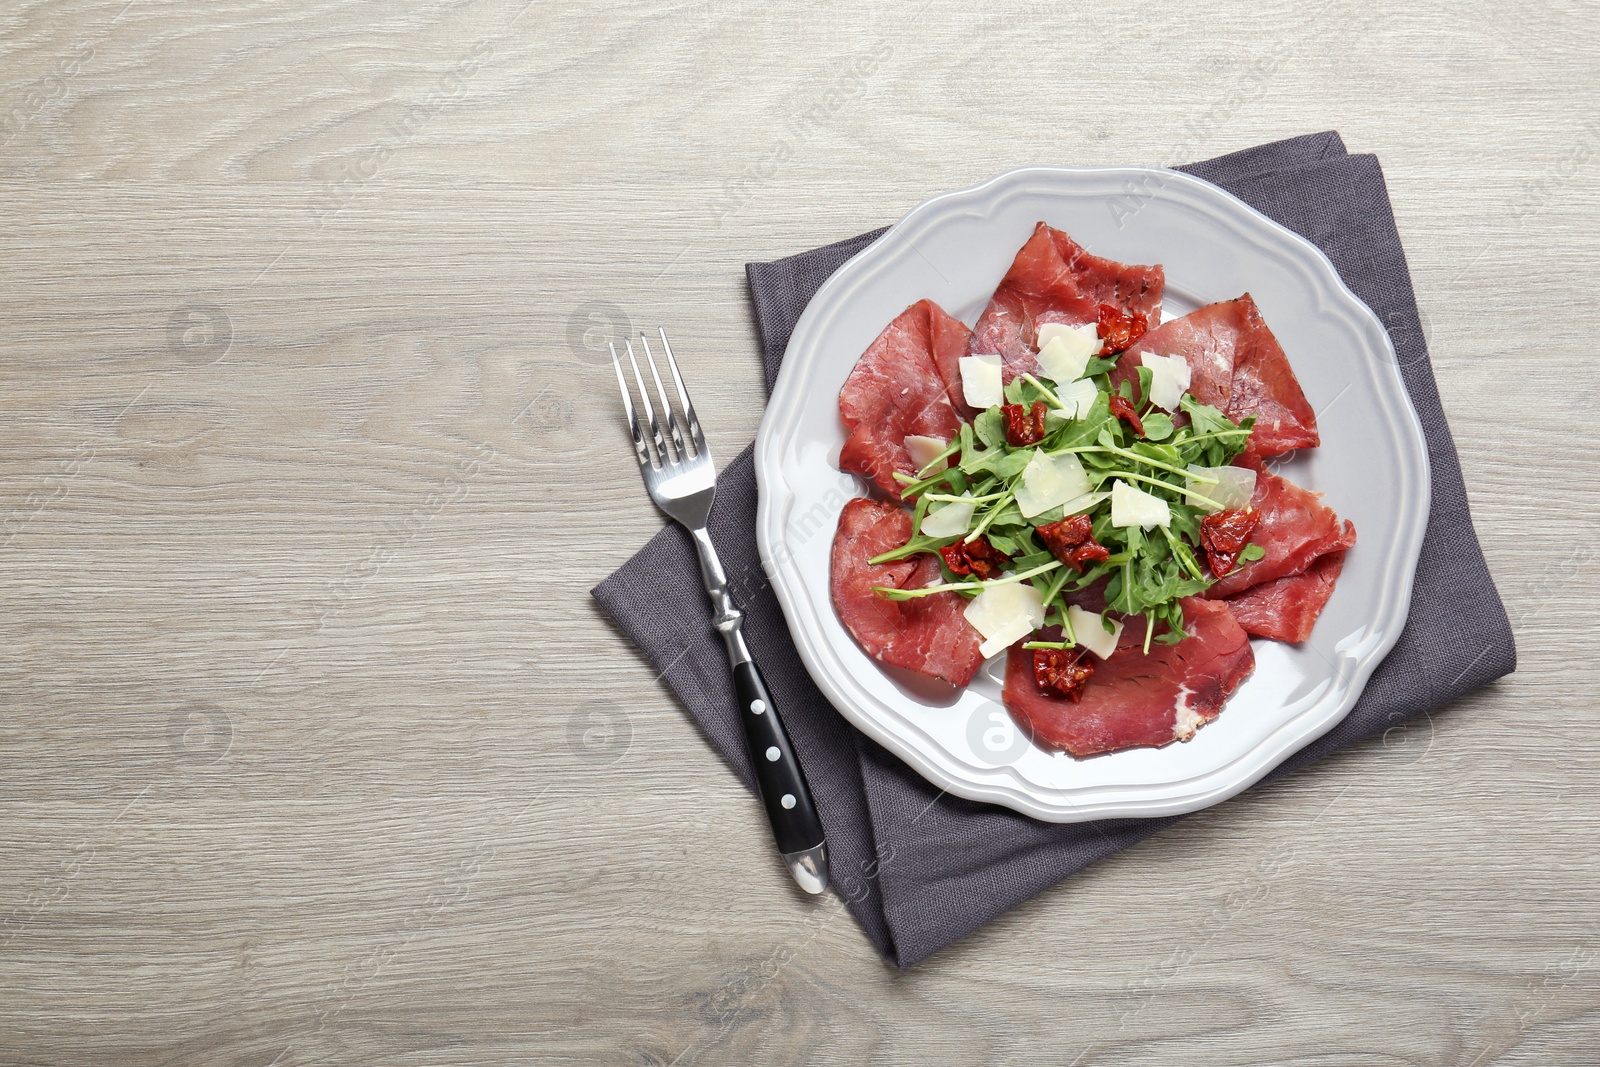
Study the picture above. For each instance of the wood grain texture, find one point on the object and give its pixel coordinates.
(315, 750)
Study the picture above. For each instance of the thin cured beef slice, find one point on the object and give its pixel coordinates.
(1053, 279)
(866, 529)
(1208, 340)
(1134, 700)
(1296, 529)
(1264, 385)
(948, 338)
(1238, 367)
(907, 382)
(928, 635)
(1286, 609)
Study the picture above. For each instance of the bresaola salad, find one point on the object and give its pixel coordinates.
(1077, 485)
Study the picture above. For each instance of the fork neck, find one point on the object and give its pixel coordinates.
(725, 615)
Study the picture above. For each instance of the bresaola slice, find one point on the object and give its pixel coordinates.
(1264, 385)
(928, 635)
(1286, 609)
(1238, 367)
(1208, 341)
(1053, 279)
(1296, 530)
(907, 383)
(1134, 700)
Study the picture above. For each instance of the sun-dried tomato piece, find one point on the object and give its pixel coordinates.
(1067, 534)
(1119, 329)
(1062, 672)
(1091, 551)
(976, 557)
(1024, 426)
(1072, 542)
(1224, 534)
(1123, 409)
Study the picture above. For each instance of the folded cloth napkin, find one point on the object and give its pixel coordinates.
(919, 868)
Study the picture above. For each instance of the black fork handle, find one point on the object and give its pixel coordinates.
(784, 790)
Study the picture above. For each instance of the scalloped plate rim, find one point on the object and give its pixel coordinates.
(776, 499)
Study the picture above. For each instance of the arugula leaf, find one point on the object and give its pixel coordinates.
(1203, 417)
(1003, 462)
(1157, 426)
(1145, 376)
(1021, 391)
(919, 513)
(1167, 454)
(1010, 515)
(951, 480)
(1078, 432)
(1212, 439)
(1031, 560)
(990, 426)
(1004, 543)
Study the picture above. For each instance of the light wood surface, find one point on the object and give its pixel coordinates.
(313, 748)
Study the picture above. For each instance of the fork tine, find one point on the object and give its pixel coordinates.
(627, 404)
(664, 457)
(666, 405)
(683, 395)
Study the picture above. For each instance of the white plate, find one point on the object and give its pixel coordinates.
(1372, 466)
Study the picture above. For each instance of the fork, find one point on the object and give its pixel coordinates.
(682, 480)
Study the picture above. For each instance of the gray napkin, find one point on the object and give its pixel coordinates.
(919, 868)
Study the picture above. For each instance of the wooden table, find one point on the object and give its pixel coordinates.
(315, 749)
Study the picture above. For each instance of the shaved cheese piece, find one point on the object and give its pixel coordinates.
(1235, 486)
(924, 450)
(1005, 614)
(952, 518)
(980, 381)
(1061, 362)
(1169, 379)
(1064, 351)
(1185, 720)
(1085, 333)
(1048, 481)
(1131, 506)
(1089, 628)
(1077, 398)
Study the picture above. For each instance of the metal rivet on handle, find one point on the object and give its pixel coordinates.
(758, 706)
(788, 800)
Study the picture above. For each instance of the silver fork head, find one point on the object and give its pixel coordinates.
(676, 464)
